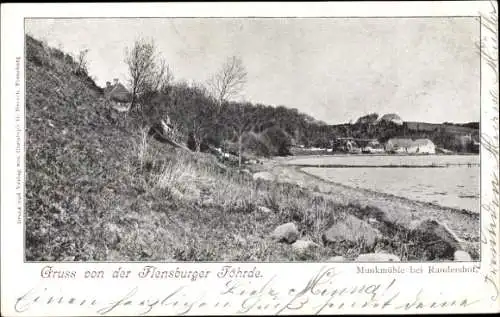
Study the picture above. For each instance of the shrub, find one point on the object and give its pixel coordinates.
(280, 140)
(257, 145)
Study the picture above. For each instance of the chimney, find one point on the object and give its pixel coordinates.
(115, 81)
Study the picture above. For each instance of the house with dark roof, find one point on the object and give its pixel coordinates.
(117, 92)
(347, 145)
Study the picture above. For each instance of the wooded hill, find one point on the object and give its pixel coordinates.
(454, 137)
(268, 130)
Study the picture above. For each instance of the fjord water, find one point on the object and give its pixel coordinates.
(455, 184)
(386, 160)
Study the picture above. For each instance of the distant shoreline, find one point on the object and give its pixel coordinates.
(288, 161)
(328, 154)
(382, 166)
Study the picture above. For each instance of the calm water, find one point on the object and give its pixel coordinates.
(384, 160)
(456, 186)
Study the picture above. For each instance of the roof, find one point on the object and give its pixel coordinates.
(117, 92)
(421, 142)
(401, 142)
(367, 142)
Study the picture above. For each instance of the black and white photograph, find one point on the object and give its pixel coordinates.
(249, 158)
(252, 139)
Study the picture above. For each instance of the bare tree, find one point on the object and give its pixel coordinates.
(160, 79)
(148, 72)
(229, 80)
(81, 62)
(242, 120)
(225, 84)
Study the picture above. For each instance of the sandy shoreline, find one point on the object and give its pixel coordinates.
(400, 210)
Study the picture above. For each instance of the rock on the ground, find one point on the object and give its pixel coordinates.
(303, 245)
(285, 233)
(350, 231)
(264, 210)
(146, 253)
(176, 194)
(378, 257)
(462, 256)
(264, 176)
(112, 234)
(434, 239)
(337, 258)
(372, 221)
(209, 202)
(114, 255)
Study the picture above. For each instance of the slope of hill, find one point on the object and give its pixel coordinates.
(83, 172)
(96, 190)
(72, 153)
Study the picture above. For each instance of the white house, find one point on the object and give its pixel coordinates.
(419, 146)
(425, 146)
(373, 147)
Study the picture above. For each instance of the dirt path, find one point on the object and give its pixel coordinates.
(400, 210)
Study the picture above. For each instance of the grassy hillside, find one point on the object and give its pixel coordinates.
(98, 188)
(98, 191)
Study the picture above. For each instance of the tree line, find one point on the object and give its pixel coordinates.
(207, 115)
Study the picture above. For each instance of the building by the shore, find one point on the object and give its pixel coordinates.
(118, 95)
(403, 145)
(346, 145)
(373, 147)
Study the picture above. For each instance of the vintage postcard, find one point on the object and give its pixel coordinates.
(249, 158)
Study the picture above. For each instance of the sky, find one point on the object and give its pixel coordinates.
(334, 69)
